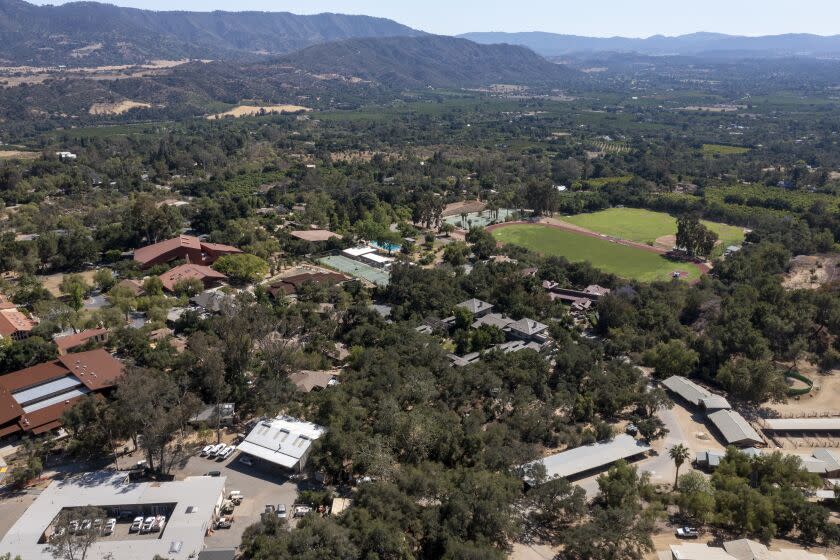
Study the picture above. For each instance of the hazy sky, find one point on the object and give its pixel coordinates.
(632, 18)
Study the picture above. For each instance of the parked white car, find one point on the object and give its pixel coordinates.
(147, 525)
(136, 525)
(215, 449)
(110, 525)
(226, 453)
(206, 451)
(220, 450)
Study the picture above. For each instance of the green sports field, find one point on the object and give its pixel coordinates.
(645, 226)
(627, 262)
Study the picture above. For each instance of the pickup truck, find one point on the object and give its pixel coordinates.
(687, 533)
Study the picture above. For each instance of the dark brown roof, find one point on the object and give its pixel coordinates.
(77, 339)
(151, 252)
(135, 286)
(34, 375)
(291, 284)
(97, 369)
(187, 271)
(10, 409)
(219, 248)
(10, 429)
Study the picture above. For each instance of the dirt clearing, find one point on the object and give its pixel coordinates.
(116, 108)
(52, 282)
(253, 110)
(17, 154)
(809, 272)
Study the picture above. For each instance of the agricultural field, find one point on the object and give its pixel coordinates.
(770, 198)
(723, 150)
(612, 147)
(604, 181)
(646, 226)
(621, 260)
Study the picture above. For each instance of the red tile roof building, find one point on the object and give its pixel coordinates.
(5, 303)
(207, 275)
(32, 400)
(14, 324)
(75, 340)
(186, 247)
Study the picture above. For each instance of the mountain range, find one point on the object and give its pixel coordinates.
(92, 34)
(714, 44)
(428, 61)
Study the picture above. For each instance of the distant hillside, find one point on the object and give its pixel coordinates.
(552, 44)
(430, 60)
(89, 33)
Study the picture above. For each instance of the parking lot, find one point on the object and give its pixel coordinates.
(260, 486)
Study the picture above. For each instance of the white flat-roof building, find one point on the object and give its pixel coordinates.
(356, 252)
(376, 260)
(590, 457)
(283, 441)
(191, 506)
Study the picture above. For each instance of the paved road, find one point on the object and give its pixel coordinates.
(658, 464)
(260, 488)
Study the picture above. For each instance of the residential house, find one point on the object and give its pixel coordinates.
(475, 306)
(290, 285)
(528, 330)
(493, 320)
(134, 286)
(208, 277)
(211, 301)
(66, 344)
(308, 380)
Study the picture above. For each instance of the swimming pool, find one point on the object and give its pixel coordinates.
(390, 247)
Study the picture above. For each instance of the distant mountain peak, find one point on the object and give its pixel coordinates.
(553, 44)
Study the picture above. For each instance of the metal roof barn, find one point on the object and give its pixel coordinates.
(589, 457)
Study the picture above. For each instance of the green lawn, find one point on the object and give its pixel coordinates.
(620, 260)
(723, 150)
(645, 226)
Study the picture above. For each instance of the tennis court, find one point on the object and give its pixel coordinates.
(481, 219)
(344, 264)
